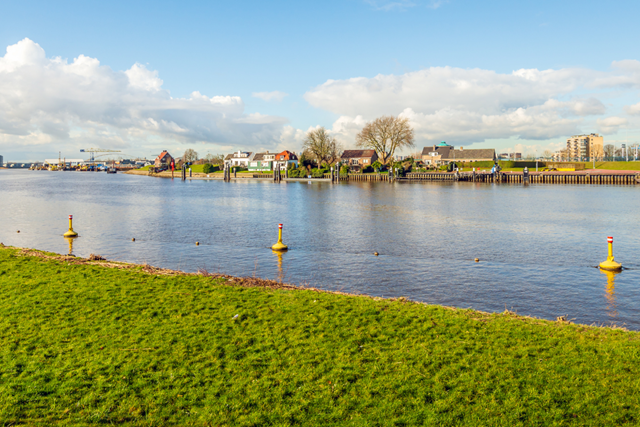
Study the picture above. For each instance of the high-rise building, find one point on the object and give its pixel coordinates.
(583, 147)
(1, 162)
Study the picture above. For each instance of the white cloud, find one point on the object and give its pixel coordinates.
(472, 105)
(611, 125)
(276, 95)
(50, 101)
(633, 109)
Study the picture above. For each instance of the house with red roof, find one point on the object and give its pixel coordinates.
(286, 158)
(163, 160)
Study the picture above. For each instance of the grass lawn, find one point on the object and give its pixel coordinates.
(84, 344)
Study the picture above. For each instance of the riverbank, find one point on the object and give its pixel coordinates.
(89, 341)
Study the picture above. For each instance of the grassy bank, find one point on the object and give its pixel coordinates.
(88, 342)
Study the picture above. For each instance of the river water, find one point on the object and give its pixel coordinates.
(538, 245)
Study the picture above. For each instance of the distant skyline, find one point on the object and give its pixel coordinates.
(220, 76)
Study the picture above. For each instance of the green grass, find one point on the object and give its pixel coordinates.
(144, 168)
(631, 166)
(85, 344)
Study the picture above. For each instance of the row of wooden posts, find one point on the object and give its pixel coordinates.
(502, 177)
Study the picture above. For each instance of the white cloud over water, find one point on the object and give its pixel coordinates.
(46, 101)
(473, 105)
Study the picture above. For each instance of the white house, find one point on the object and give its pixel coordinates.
(239, 158)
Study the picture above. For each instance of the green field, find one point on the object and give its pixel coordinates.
(88, 343)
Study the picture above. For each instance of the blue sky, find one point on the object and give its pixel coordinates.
(289, 49)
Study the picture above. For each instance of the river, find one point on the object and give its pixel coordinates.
(538, 245)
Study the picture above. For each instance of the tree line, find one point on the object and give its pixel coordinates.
(385, 135)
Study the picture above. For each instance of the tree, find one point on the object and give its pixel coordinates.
(321, 146)
(385, 135)
(214, 159)
(609, 151)
(547, 154)
(189, 155)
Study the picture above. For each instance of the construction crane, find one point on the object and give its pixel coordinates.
(93, 152)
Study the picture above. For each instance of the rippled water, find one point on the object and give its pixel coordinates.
(538, 245)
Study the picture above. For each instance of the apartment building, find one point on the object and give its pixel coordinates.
(581, 147)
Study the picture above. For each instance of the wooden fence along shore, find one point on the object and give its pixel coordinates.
(612, 177)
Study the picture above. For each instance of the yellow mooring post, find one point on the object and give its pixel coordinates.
(279, 246)
(70, 233)
(610, 264)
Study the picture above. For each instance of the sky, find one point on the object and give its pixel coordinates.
(142, 76)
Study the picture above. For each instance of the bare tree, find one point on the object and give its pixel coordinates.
(547, 154)
(189, 155)
(321, 146)
(609, 151)
(385, 135)
(214, 159)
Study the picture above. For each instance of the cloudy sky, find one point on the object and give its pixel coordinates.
(142, 76)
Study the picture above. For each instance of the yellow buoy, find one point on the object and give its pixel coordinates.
(133, 239)
(376, 253)
(279, 246)
(610, 264)
(477, 260)
(197, 243)
(70, 233)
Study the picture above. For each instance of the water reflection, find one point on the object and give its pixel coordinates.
(70, 240)
(610, 293)
(280, 274)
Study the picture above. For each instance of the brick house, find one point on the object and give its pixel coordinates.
(358, 159)
(163, 160)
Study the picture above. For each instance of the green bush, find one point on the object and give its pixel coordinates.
(367, 169)
(294, 173)
(376, 165)
(344, 170)
(444, 167)
(208, 168)
(319, 172)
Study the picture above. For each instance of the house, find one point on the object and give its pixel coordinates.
(510, 156)
(163, 160)
(286, 158)
(357, 159)
(444, 153)
(239, 158)
(261, 161)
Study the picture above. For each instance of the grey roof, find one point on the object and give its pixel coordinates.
(477, 154)
(258, 156)
(449, 153)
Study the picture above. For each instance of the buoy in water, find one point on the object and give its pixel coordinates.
(133, 239)
(610, 264)
(197, 243)
(279, 246)
(70, 233)
(376, 253)
(18, 231)
(477, 260)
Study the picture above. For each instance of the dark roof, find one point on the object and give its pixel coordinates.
(449, 153)
(259, 156)
(350, 154)
(484, 153)
(442, 150)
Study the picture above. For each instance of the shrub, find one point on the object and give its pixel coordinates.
(344, 170)
(444, 167)
(367, 169)
(376, 165)
(209, 168)
(294, 173)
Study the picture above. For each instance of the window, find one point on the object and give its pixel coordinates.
(354, 161)
(366, 161)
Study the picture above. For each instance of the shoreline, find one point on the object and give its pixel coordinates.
(87, 341)
(256, 282)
